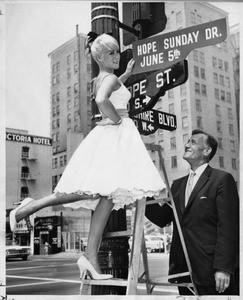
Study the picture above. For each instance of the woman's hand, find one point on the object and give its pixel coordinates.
(130, 66)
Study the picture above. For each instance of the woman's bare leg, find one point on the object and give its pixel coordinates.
(97, 226)
(51, 200)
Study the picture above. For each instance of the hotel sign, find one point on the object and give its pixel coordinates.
(22, 138)
(162, 51)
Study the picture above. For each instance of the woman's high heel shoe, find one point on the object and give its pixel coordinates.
(12, 215)
(86, 267)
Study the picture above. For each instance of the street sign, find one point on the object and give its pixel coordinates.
(161, 51)
(149, 121)
(151, 85)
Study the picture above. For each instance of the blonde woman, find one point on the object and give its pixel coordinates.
(111, 167)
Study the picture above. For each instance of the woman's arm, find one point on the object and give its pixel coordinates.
(128, 71)
(108, 85)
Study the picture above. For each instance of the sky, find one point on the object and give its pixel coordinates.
(32, 31)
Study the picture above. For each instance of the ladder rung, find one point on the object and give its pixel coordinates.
(111, 282)
(162, 200)
(118, 233)
(179, 275)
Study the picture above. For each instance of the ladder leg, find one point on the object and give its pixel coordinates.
(146, 267)
(177, 220)
(133, 273)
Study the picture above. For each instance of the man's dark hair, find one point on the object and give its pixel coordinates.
(211, 141)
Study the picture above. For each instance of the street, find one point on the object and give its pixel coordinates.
(59, 275)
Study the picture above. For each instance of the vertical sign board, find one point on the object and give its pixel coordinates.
(162, 51)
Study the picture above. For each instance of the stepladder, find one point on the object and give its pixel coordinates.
(138, 248)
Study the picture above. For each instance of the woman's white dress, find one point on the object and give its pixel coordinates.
(111, 161)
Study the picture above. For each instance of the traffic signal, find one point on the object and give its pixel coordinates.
(148, 18)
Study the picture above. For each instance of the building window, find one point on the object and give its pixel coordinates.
(75, 69)
(214, 61)
(53, 68)
(25, 152)
(53, 137)
(58, 110)
(54, 181)
(203, 76)
(173, 162)
(195, 55)
(185, 138)
(221, 80)
(221, 161)
(226, 66)
(201, 57)
(53, 99)
(58, 97)
(173, 143)
(217, 110)
(53, 124)
(196, 71)
(198, 105)
(68, 72)
(68, 59)
(61, 161)
(233, 161)
(199, 122)
(24, 192)
(58, 136)
(170, 94)
(58, 78)
(171, 108)
(228, 95)
(230, 114)
(220, 64)
(69, 91)
(54, 163)
(222, 95)
(69, 129)
(227, 81)
(53, 111)
(76, 101)
(204, 90)
(58, 123)
(231, 129)
(183, 89)
(54, 80)
(197, 88)
(58, 66)
(68, 118)
(183, 105)
(76, 128)
(220, 143)
(216, 94)
(215, 78)
(232, 146)
(75, 88)
(184, 122)
(76, 115)
(193, 17)
(179, 18)
(64, 160)
(219, 126)
(75, 55)
(69, 105)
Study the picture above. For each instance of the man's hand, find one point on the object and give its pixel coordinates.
(222, 280)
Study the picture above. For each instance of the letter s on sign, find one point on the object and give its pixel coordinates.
(159, 80)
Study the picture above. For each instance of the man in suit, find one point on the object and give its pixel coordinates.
(209, 220)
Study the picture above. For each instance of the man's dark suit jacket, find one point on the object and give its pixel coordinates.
(210, 225)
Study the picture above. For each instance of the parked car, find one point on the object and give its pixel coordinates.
(154, 243)
(13, 250)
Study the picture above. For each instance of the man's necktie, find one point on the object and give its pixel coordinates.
(189, 187)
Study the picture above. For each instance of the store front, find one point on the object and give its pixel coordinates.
(47, 235)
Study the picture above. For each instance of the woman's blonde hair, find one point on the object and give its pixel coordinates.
(101, 43)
